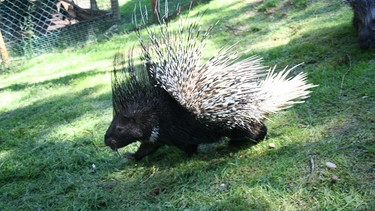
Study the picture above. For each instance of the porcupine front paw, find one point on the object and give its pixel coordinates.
(143, 150)
(130, 156)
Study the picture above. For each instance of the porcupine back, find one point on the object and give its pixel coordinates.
(223, 90)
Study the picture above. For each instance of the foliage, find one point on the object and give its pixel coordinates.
(55, 108)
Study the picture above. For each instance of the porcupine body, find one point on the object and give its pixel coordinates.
(176, 99)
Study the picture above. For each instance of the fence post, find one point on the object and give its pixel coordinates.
(3, 51)
(115, 9)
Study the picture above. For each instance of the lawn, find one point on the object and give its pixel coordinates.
(56, 107)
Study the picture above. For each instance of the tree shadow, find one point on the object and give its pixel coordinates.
(35, 153)
(229, 23)
(131, 12)
(57, 81)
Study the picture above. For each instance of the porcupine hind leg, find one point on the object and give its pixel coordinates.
(144, 149)
(241, 137)
(181, 135)
(190, 149)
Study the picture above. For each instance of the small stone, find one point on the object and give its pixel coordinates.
(93, 170)
(60, 197)
(272, 145)
(334, 178)
(215, 160)
(222, 186)
(331, 165)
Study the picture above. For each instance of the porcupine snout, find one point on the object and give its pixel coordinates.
(122, 132)
(111, 142)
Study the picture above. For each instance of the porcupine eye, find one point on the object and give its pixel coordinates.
(129, 126)
(123, 123)
(130, 121)
(119, 130)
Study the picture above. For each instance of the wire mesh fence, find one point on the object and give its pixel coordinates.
(31, 27)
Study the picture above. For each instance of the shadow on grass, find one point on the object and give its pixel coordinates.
(127, 11)
(230, 25)
(48, 147)
(48, 114)
(65, 80)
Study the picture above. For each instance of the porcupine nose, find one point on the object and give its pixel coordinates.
(110, 142)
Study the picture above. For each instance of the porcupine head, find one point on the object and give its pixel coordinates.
(135, 105)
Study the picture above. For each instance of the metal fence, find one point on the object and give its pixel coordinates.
(32, 27)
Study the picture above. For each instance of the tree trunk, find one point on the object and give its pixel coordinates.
(93, 5)
(115, 9)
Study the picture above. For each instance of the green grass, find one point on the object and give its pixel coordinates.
(55, 109)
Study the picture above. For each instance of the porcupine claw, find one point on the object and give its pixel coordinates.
(130, 156)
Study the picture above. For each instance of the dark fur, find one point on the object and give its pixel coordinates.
(140, 106)
(176, 127)
(364, 21)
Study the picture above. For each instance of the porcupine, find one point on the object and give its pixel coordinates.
(175, 99)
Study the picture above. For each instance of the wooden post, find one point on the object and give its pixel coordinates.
(3, 51)
(115, 9)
